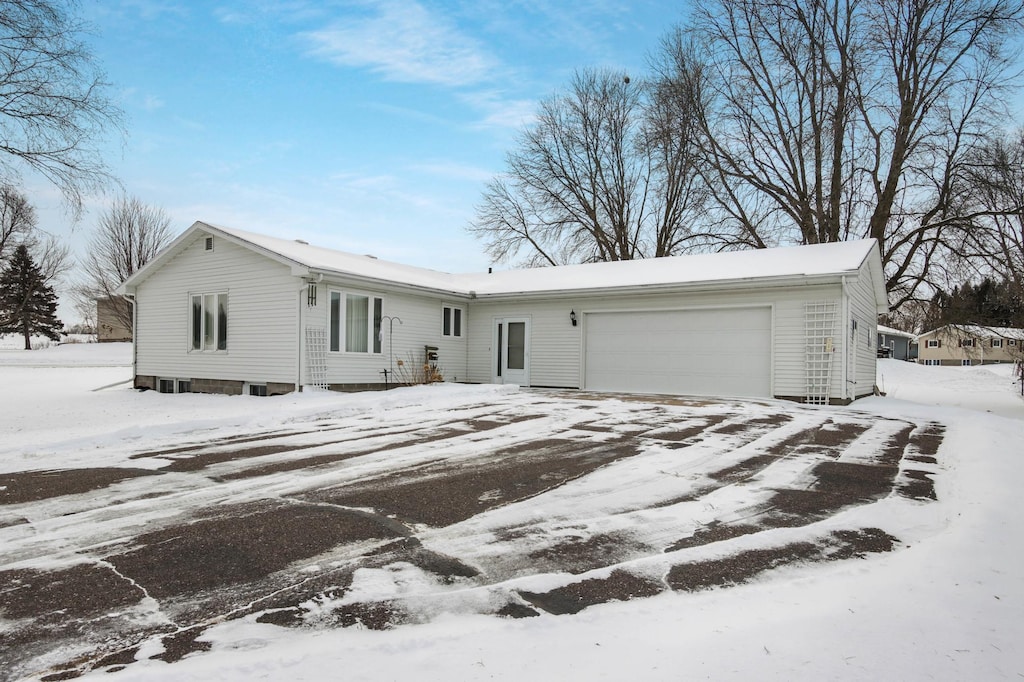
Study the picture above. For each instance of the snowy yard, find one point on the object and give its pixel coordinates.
(481, 532)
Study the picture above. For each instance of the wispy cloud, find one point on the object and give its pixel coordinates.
(404, 42)
(500, 111)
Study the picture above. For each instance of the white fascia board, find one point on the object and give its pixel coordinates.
(668, 288)
(362, 281)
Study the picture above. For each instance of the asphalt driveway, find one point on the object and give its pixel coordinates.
(535, 502)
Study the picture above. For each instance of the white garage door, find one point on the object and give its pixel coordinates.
(724, 351)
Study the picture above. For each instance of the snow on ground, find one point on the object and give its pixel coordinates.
(991, 388)
(948, 606)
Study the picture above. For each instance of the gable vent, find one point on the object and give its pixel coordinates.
(209, 243)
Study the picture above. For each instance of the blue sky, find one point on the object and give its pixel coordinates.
(369, 126)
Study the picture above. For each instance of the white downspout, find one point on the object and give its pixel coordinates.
(298, 338)
(135, 332)
(846, 342)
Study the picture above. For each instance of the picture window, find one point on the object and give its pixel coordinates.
(354, 322)
(208, 322)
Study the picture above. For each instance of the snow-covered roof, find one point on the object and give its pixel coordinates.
(820, 260)
(896, 332)
(977, 331)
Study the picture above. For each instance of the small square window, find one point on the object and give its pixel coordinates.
(965, 363)
(1011, 342)
(258, 390)
(184, 386)
(165, 386)
(933, 343)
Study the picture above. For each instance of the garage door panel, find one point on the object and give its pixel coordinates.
(699, 352)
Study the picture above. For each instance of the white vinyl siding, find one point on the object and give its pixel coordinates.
(407, 323)
(262, 299)
(556, 346)
(862, 368)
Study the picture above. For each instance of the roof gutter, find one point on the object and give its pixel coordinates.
(670, 287)
(389, 283)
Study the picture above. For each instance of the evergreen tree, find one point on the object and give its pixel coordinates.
(28, 305)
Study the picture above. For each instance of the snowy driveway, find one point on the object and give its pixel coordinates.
(503, 503)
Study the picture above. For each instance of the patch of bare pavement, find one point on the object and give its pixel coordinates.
(621, 497)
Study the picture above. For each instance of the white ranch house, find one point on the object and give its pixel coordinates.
(222, 310)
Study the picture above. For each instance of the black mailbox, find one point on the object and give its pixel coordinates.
(430, 354)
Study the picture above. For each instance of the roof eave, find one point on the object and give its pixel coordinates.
(381, 282)
(670, 287)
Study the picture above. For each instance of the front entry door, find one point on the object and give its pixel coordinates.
(511, 359)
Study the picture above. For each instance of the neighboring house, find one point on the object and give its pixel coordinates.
(222, 310)
(970, 345)
(108, 326)
(896, 344)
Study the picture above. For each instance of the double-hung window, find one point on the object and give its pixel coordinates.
(451, 321)
(355, 322)
(208, 321)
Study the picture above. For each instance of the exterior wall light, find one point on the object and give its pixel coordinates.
(572, 317)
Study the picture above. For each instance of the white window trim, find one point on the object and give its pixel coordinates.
(216, 321)
(175, 384)
(374, 344)
(997, 343)
(932, 343)
(462, 321)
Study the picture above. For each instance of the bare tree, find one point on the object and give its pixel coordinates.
(996, 182)
(829, 120)
(603, 174)
(17, 220)
(129, 234)
(53, 102)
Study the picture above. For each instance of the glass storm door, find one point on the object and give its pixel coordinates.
(512, 351)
